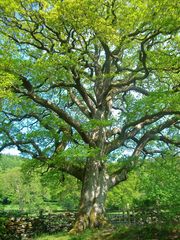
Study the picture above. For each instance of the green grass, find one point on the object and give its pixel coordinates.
(50, 207)
(10, 207)
(58, 236)
(87, 235)
(149, 232)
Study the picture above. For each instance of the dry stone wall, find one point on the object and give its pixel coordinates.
(17, 228)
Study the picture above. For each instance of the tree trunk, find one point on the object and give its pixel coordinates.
(93, 196)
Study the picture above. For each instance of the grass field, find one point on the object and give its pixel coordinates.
(122, 233)
(58, 236)
(87, 235)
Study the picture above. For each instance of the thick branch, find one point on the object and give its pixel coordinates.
(107, 64)
(79, 104)
(149, 118)
(143, 60)
(169, 141)
(119, 176)
(83, 92)
(19, 145)
(75, 171)
(62, 114)
(151, 134)
(65, 167)
(69, 168)
(123, 134)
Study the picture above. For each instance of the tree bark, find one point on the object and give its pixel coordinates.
(93, 196)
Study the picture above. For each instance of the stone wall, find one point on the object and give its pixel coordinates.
(26, 227)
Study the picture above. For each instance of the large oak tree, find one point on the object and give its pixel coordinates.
(85, 83)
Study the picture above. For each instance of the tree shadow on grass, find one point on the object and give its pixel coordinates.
(146, 233)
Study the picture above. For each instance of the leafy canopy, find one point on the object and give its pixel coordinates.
(89, 78)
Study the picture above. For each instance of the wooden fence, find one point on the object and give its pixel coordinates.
(142, 216)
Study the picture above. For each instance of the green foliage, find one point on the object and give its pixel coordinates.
(3, 221)
(63, 189)
(29, 191)
(50, 41)
(6, 81)
(146, 185)
(155, 102)
(159, 184)
(94, 123)
(79, 153)
(83, 81)
(27, 195)
(155, 184)
(124, 195)
(9, 162)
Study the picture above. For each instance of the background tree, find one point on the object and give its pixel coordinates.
(19, 191)
(126, 194)
(91, 80)
(159, 181)
(32, 192)
(64, 189)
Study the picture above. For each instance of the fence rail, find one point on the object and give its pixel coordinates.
(142, 216)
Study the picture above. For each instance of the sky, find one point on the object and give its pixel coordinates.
(11, 151)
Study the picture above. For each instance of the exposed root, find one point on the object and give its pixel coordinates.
(89, 221)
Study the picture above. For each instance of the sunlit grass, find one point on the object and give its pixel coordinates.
(86, 235)
(150, 232)
(49, 207)
(58, 236)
